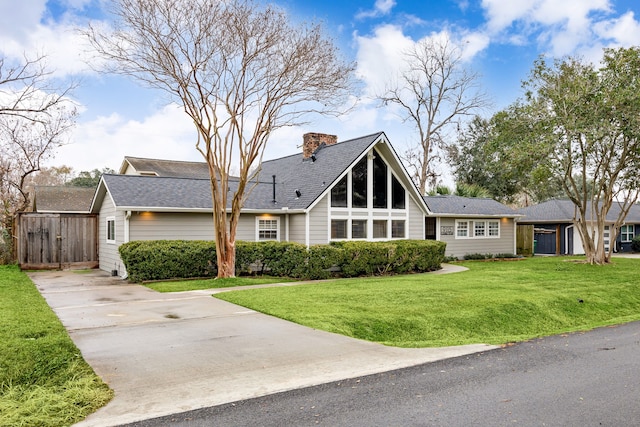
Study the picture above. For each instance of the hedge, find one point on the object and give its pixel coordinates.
(169, 259)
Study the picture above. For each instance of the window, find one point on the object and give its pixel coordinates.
(477, 229)
(626, 233)
(379, 182)
(339, 194)
(338, 228)
(359, 184)
(494, 228)
(268, 229)
(359, 229)
(379, 228)
(397, 229)
(462, 229)
(397, 194)
(111, 230)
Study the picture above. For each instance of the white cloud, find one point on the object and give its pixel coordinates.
(380, 8)
(103, 142)
(624, 30)
(562, 28)
(27, 29)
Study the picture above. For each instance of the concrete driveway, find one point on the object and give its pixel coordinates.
(168, 353)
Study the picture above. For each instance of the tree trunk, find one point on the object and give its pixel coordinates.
(226, 259)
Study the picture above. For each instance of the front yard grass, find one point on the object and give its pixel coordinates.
(493, 302)
(44, 381)
(199, 284)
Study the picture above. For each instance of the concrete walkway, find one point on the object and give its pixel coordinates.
(168, 353)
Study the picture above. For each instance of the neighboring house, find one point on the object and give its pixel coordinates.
(556, 233)
(60, 232)
(350, 190)
(471, 225)
(62, 198)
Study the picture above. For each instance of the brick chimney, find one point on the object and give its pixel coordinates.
(311, 141)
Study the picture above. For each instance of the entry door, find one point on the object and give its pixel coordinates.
(41, 239)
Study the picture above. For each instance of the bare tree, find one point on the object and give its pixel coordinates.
(34, 119)
(434, 92)
(240, 71)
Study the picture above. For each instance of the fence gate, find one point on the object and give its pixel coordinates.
(57, 241)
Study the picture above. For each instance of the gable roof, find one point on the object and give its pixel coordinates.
(450, 205)
(312, 178)
(165, 168)
(562, 211)
(62, 198)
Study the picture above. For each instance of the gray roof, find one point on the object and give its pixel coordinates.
(562, 211)
(310, 177)
(61, 198)
(299, 182)
(150, 192)
(167, 168)
(450, 205)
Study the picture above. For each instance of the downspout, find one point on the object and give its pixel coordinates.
(127, 216)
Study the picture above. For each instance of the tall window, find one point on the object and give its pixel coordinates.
(397, 194)
(339, 194)
(359, 184)
(379, 182)
(626, 233)
(111, 230)
(268, 229)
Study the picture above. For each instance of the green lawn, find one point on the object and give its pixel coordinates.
(493, 302)
(198, 284)
(44, 381)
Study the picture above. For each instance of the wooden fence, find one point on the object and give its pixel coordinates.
(524, 240)
(57, 241)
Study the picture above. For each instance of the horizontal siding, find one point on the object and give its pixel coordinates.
(108, 252)
(297, 228)
(318, 223)
(461, 247)
(416, 221)
(171, 226)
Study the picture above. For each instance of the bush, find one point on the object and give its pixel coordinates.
(169, 259)
(635, 244)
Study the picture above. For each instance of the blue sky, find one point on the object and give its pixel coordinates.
(500, 38)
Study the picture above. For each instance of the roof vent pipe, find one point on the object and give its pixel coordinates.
(274, 189)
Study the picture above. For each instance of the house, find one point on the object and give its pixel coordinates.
(355, 189)
(555, 229)
(471, 225)
(60, 232)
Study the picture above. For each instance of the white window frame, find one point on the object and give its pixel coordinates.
(262, 220)
(629, 233)
(460, 228)
(111, 220)
(466, 229)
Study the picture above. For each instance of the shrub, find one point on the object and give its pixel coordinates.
(322, 262)
(635, 244)
(168, 259)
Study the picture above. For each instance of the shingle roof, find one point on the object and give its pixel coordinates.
(189, 191)
(147, 192)
(562, 210)
(457, 205)
(310, 177)
(168, 168)
(63, 199)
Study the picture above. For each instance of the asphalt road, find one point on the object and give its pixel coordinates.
(581, 379)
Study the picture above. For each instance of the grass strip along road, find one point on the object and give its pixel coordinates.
(492, 302)
(44, 381)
